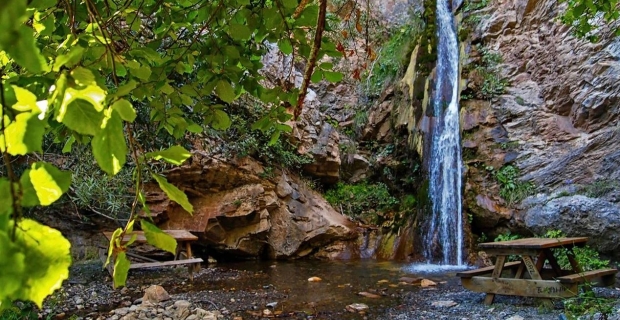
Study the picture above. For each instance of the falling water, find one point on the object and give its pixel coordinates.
(444, 238)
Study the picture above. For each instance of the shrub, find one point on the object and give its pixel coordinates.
(364, 201)
(511, 189)
(587, 257)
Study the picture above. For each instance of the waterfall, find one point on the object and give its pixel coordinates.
(444, 237)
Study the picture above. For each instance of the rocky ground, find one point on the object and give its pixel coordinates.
(89, 295)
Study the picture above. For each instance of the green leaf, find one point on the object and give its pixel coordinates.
(174, 193)
(69, 59)
(220, 120)
(39, 262)
(24, 135)
(115, 236)
(225, 91)
(26, 100)
(158, 238)
(333, 76)
(317, 76)
(43, 184)
(83, 76)
(142, 73)
(175, 155)
(82, 116)
(6, 198)
(125, 89)
(109, 146)
(326, 66)
(121, 269)
(125, 110)
(285, 46)
(240, 31)
(25, 52)
(290, 4)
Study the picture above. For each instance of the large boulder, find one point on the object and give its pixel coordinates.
(581, 216)
(241, 210)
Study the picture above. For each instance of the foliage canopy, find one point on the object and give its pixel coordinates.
(83, 72)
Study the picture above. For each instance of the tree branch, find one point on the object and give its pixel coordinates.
(318, 36)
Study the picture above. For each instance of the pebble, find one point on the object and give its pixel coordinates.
(444, 304)
(357, 307)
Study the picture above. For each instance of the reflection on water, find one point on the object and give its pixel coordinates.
(429, 268)
(340, 285)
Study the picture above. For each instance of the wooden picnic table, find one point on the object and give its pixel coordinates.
(183, 256)
(531, 255)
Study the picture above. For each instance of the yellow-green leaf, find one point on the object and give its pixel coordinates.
(158, 238)
(121, 269)
(125, 110)
(43, 184)
(83, 117)
(44, 262)
(109, 146)
(174, 193)
(174, 155)
(24, 135)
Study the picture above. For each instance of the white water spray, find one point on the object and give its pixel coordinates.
(445, 233)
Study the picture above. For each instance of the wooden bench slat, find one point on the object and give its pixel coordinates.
(179, 235)
(485, 270)
(585, 276)
(165, 263)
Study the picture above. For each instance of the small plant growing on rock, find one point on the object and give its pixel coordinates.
(362, 200)
(511, 189)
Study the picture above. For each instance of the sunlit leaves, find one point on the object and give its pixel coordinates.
(158, 238)
(24, 135)
(109, 146)
(121, 269)
(584, 14)
(83, 117)
(35, 264)
(174, 155)
(174, 193)
(48, 184)
(125, 110)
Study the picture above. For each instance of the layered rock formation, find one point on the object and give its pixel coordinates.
(557, 122)
(243, 211)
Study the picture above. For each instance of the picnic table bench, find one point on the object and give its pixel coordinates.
(510, 278)
(183, 255)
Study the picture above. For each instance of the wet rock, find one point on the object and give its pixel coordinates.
(410, 280)
(357, 307)
(154, 295)
(428, 283)
(369, 295)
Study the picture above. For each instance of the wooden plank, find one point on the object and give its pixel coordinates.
(521, 287)
(486, 270)
(587, 276)
(165, 263)
(573, 261)
(497, 272)
(535, 243)
(511, 251)
(179, 235)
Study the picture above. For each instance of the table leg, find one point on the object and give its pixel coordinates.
(533, 270)
(553, 262)
(497, 272)
(190, 268)
(573, 262)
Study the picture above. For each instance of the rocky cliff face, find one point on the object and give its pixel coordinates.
(242, 211)
(558, 122)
